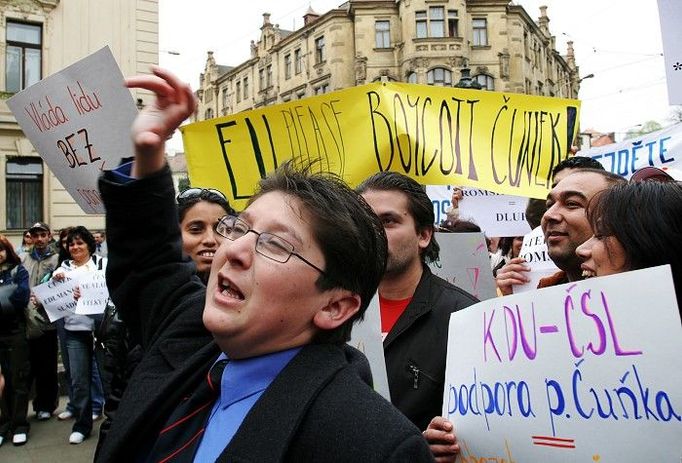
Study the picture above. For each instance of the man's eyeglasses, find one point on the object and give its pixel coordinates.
(194, 192)
(267, 245)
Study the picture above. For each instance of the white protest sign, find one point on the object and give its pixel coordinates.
(366, 337)
(496, 214)
(79, 122)
(586, 372)
(93, 293)
(57, 296)
(465, 262)
(662, 149)
(670, 13)
(534, 250)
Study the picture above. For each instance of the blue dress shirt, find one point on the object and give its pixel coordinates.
(242, 384)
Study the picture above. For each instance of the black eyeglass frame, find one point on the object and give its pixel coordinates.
(194, 192)
(248, 228)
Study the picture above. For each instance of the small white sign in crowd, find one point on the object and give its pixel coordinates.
(57, 297)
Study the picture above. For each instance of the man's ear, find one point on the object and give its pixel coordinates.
(425, 235)
(341, 306)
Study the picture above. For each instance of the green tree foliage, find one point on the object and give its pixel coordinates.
(643, 129)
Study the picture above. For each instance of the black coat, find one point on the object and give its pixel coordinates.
(316, 409)
(416, 348)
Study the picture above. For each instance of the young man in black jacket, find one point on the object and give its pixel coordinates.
(415, 306)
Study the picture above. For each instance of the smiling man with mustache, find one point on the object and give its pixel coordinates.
(565, 227)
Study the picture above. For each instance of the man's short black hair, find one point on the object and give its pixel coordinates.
(577, 162)
(350, 235)
(419, 204)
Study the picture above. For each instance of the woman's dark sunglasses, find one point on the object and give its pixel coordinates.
(190, 193)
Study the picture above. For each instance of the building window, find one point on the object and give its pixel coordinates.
(436, 21)
(287, 66)
(439, 76)
(246, 87)
(319, 50)
(453, 24)
(541, 88)
(382, 31)
(324, 88)
(24, 192)
(268, 76)
(225, 100)
(208, 114)
(23, 57)
(420, 17)
(261, 79)
(480, 28)
(412, 78)
(238, 91)
(433, 24)
(486, 81)
(298, 61)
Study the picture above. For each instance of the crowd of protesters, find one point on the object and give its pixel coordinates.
(193, 290)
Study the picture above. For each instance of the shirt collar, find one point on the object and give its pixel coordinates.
(246, 377)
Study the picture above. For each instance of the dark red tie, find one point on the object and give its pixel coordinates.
(178, 439)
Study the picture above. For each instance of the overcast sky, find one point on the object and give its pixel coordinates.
(614, 40)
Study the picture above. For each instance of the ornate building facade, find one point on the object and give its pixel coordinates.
(417, 41)
(39, 38)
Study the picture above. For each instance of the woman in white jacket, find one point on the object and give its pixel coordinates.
(79, 329)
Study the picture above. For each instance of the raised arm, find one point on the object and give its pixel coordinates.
(146, 272)
(173, 104)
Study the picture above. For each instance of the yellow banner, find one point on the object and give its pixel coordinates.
(504, 142)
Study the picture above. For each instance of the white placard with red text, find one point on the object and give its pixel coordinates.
(586, 372)
(79, 122)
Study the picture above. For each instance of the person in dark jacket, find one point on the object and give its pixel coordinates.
(284, 289)
(14, 295)
(415, 306)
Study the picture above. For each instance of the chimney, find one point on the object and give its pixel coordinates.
(310, 16)
(543, 20)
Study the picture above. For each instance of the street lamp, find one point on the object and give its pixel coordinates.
(589, 76)
(466, 81)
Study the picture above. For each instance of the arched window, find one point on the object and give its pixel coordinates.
(487, 81)
(412, 78)
(209, 113)
(439, 76)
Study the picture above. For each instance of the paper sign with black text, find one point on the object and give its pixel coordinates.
(534, 250)
(57, 296)
(582, 372)
(93, 293)
(496, 214)
(79, 122)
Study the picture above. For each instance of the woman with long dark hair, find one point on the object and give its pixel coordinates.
(14, 296)
(635, 225)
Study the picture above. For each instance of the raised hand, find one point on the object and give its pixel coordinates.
(173, 104)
